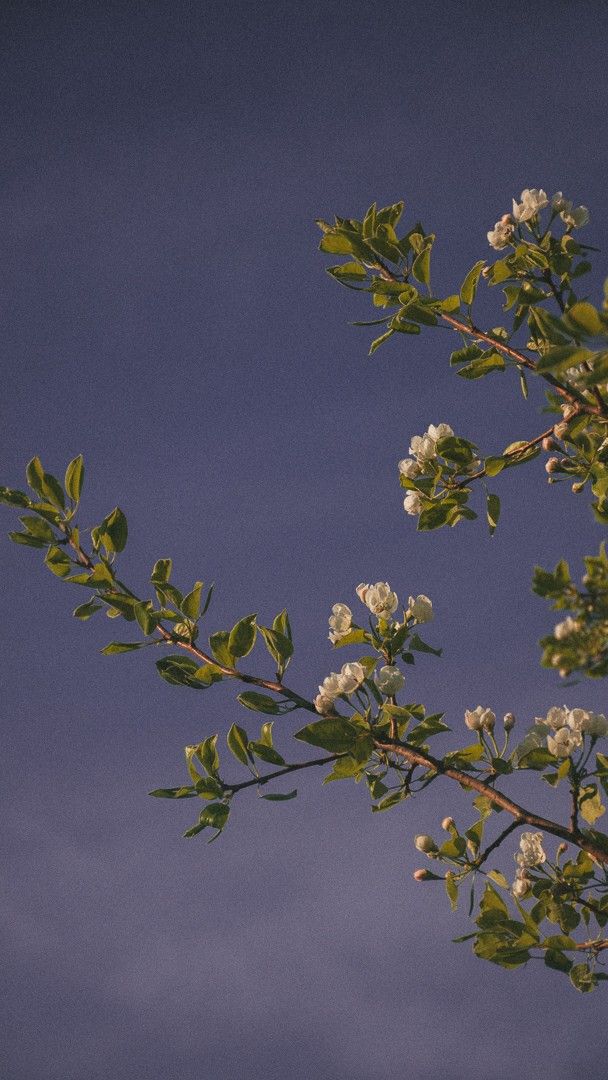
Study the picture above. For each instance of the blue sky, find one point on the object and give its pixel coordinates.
(166, 313)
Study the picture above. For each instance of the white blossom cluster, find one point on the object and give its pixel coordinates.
(569, 726)
(530, 854)
(566, 628)
(424, 450)
(345, 682)
(382, 602)
(533, 200)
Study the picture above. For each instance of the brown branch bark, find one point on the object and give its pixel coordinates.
(523, 816)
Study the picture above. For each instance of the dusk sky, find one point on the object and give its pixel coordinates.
(166, 313)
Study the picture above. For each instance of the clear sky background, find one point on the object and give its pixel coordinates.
(166, 312)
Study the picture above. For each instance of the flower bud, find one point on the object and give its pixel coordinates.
(509, 721)
(521, 888)
(578, 487)
(425, 844)
(568, 411)
(448, 824)
(549, 444)
(422, 875)
(560, 429)
(552, 465)
(562, 849)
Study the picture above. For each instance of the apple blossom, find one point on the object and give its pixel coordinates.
(413, 503)
(565, 628)
(409, 467)
(351, 676)
(379, 598)
(420, 608)
(532, 201)
(502, 233)
(340, 622)
(531, 851)
(564, 742)
(480, 719)
(390, 680)
(426, 844)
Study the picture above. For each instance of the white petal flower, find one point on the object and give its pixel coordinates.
(559, 202)
(413, 503)
(323, 704)
(361, 590)
(340, 622)
(557, 717)
(409, 467)
(420, 608)
(501, 235)
(564, 742)
(575, 218)
(597, 725)
(480, 718)
(390, 680)
(532, 200)
(568, 626)
(351, 676)
(423, 448)
(578, 719)
(330, 687)
(380, 600)
(531, 851)
(439, 431)
(521, 887)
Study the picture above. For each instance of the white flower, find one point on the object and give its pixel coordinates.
(521, 887)
(390, 680)
(502, 233)
(564, 742)
(559, 202)
(413, 503)
(439, 431)
(568, 626)
(340, 622)
(532, 200)
(575, 218)
(480, 718)
(597, 725)
(323, 704)
(330, 687)
(409, 467)
(379, 598)
(361, 591)
(531, 849)
(420, 608)
(578, 719)
(351, 676)
(423, 447)
(557, 717)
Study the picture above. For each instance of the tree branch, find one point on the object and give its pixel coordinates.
(257, 780)
(526, 817)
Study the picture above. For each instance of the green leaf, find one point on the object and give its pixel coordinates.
(58, 562)
(331, 733)
(421, 646)
(336, 244)
(266, 753)
(180, 671)
(74, 478)
(350, 271)
(431, 725)
(84, 611)
(380, 341)
(113, 530)
(582, 978)
(27, 540)
(563, 356)
(421, 267)
(278, 797)
(465, 355)
(191, 604)
(584, 317)
(242, 636)
(220, 648)
(469, 285)
(122, 647)
(174, 793)
(12, 497)
(280, 623)
(451, 889)
(492, 511)
(484, 366)
(238, 741)
(259, 703)
(161, 571)
(354, 637)
(213, 816)
(279, 646)
(34, 475)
